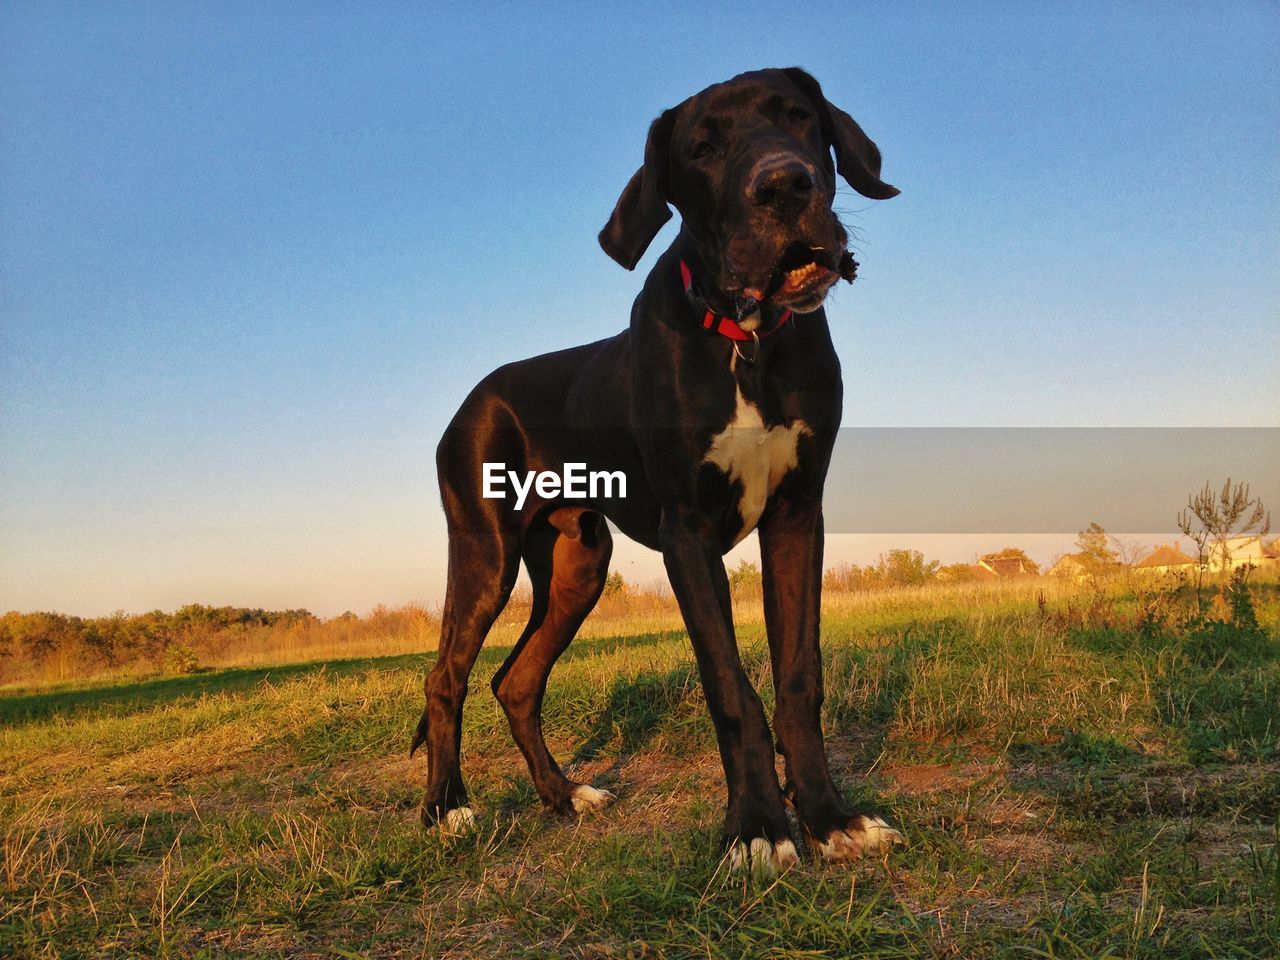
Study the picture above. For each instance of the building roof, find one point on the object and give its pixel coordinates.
(1005, 566)
(1068, 562)
(1165, 555)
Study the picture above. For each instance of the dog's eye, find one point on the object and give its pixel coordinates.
(702, 149)
(798, 114)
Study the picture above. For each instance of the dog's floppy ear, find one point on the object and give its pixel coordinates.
(642, 209)
(857, 156)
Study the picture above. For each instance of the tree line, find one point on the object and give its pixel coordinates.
(44, 640)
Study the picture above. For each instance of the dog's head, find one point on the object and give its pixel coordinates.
(748, 165)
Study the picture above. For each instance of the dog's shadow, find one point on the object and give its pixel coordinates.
(636, 709)
(642, 707)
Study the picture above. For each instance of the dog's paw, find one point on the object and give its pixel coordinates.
(457, 822)
(584, 799)
(863, 835)
(761, 858)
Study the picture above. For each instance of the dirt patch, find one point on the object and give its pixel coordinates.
(1019, 848)
(1217, 843)
(918, 778)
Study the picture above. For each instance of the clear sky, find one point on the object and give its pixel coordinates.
(252, 255)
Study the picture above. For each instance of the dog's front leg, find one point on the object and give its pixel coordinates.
(756, 834)
(791, 558)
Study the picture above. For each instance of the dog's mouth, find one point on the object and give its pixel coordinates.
(801, 274)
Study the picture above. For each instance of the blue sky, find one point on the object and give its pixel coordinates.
(252, 256)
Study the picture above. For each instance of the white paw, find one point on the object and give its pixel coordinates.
(867, 836)
(762, 858)
(585, 798)
(458, 821)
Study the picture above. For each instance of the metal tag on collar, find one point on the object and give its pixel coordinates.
(755, 354)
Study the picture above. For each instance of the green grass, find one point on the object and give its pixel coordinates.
(1071, 786)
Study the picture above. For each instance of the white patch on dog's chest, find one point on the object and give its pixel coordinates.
(755, 456)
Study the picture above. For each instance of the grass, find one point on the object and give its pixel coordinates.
(73, 664)
(1071, 785)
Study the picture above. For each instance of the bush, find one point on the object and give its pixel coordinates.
(180, 659)
(745, 578)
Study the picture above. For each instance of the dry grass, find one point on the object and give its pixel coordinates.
(1071, 786)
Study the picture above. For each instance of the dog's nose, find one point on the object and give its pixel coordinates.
(784, 185)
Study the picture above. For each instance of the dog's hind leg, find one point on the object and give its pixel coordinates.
(568, 561)
(482, 572)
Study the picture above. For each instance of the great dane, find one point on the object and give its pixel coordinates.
(719, 404)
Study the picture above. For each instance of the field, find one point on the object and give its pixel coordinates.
(1080, 773)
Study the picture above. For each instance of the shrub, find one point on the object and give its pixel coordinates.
(745, 578)
(180, 659)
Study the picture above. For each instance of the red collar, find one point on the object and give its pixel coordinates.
(727, 326)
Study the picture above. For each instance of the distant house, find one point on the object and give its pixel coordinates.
(1165, 558)
(1070, 566)
(1008, 565)
(964, 573)
(1241, 551)
(1079, 566)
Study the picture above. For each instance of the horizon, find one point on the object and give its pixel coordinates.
(650, 576)
(252, 259)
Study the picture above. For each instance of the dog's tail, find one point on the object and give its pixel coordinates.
(419, 735)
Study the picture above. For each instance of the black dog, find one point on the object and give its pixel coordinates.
(720, 406)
